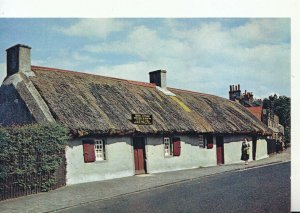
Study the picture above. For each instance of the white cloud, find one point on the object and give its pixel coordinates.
(100, 28)
(145, 43)
(70, 60)
(262, 31)
(209, 56)
(132, 71)
(139, 42)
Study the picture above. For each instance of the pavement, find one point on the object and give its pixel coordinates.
(75, 195)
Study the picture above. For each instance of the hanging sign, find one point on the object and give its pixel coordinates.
(141, 119)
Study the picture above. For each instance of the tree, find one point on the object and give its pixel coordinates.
(281, 106)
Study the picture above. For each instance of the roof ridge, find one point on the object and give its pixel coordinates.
(71, 71)
(140, 83)
(190, 91)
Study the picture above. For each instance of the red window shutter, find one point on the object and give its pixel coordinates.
(210, 142)
(176, 147)
(210, 145)
(89, 151)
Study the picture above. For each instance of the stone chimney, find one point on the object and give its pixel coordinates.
(234, 92)
(231, 93)
(158, 77)
(18, 59)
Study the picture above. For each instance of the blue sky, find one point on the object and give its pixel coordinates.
(200, 54)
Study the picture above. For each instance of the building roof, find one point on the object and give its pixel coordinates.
(92, 104)
(256, 110)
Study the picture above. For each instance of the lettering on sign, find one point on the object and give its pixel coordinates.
(141, 119)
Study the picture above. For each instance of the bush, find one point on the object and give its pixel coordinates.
(31, 154)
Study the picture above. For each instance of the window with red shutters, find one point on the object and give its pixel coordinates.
(210, 141)
(167, 146)
(88, 151)
(100, 150)
(176, 146)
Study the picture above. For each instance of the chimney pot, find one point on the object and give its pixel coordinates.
(18, 59)
(158, 77)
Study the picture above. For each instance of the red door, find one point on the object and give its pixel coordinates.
(139, 155)
(176, 147)
(220, 150)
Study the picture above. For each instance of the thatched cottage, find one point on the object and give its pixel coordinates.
(122, 127)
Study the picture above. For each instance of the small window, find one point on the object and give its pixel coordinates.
(202, 141)
(94, 150)
(168, 148)
(100, 150)
(172, 146)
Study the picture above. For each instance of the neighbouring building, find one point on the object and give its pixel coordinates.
(255, 106)
(122, 127)
(272, 120)
(247, 100)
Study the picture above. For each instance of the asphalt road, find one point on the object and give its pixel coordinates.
(264, 189)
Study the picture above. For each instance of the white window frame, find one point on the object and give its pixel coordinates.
(167, 147)
(100, 149)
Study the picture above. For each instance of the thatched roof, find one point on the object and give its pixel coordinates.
(91, 104)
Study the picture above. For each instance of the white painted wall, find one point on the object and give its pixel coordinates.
(233, 148)
(261, 149)
(119, 162)
(192, 156)
(120, 157)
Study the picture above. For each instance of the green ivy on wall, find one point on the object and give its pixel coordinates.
(31, 154)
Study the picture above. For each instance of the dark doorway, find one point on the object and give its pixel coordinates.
(139, 155)
(254, 142)
(220, 150)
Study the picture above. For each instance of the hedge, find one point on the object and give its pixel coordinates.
(31, 154)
